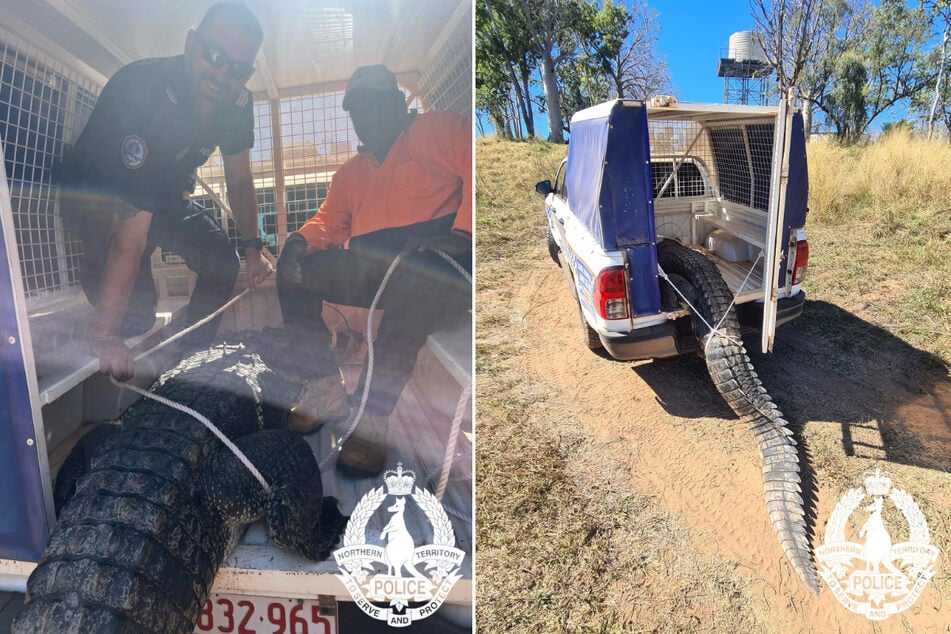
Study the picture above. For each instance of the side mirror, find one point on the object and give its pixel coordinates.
(543, 188)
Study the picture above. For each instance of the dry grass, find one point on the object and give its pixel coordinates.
(880, 230)
(899, 177)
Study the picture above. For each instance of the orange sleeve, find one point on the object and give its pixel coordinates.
(460, 156)
(330, 226)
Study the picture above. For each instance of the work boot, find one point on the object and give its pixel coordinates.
(321, 401)
(364, 453)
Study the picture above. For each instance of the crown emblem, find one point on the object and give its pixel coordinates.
(399, 482)
(878, 484)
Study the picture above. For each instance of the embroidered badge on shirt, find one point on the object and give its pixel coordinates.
(134, 152)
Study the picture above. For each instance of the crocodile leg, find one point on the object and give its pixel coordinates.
(736, 380)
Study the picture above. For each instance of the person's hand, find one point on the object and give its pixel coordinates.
(115, 358)
(288, 267)
(257, 265)
(450, 243)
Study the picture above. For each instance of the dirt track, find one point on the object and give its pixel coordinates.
(857, 396)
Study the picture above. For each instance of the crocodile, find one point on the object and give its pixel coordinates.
(697, 278)
(148, 509)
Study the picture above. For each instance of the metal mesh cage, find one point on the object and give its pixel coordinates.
(43, 106)
(446, 82)
(737, 156)
(687, 181)
(316, 139)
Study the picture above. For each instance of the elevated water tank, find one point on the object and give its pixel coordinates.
(746, 46)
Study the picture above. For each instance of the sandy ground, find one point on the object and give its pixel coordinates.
(857, 397)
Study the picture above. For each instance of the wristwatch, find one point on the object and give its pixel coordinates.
(255, 242)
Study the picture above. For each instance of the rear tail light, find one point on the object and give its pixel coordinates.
(610, 294)
(802, 262)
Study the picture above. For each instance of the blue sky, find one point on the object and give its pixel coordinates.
(691, 36)
(690, 39)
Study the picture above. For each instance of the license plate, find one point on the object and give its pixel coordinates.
(263, 615)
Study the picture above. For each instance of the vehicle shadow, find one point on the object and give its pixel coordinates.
(889, 400)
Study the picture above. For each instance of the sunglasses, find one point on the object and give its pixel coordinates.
(216, 58)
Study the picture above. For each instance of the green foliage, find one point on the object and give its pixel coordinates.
(846, 103)
(579, 51)
(881, 46)
(822, 47)
(903, 127)
(504, 61)
(935, 105)
(623, 50)
(894, 56)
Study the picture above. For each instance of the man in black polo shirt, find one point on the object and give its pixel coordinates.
(126, 184)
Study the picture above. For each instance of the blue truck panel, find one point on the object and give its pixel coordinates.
(583, 176)
(797, 187)
(644, 290)
(627, 203)
(609, 182)
(23, 521)
(609, 189)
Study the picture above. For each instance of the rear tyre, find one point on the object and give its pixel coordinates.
(590, 337)
(552, 246)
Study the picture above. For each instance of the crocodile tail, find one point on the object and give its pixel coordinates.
(736, 380)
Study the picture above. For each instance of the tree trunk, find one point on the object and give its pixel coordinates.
(552, 99)
(937, 86)
(528, 113)
(807, 116)
(517, 125)
(524, 102)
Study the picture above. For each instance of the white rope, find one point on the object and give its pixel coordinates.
(662, 273)
(187, 410)
(204, 421)
(453, 439)
(231, 302)
(714, 331)
(355, 419)
(737, 294)
(450, 449)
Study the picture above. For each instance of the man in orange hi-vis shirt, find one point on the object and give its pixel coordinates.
(409, 189)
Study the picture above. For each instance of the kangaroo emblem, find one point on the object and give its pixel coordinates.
(878, 543)
(399, 542)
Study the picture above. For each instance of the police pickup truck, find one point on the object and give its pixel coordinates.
(729, 181)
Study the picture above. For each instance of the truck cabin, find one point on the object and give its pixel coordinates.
(55, 58)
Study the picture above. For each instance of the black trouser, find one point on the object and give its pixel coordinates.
(187, 230)
(423, 293)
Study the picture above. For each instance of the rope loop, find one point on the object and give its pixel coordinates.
(204, 421)
(715, 332)
(355, 419)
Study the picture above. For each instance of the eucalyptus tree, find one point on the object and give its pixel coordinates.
(505, 59)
